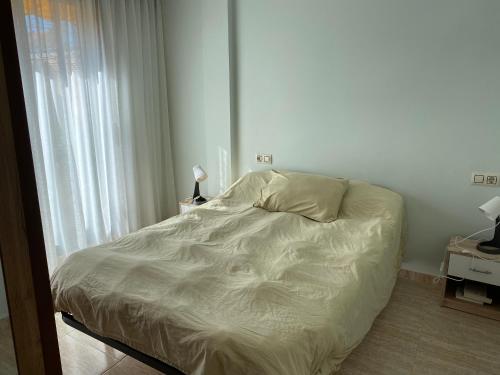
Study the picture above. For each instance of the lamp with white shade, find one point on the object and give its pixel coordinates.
(491, 210)
(199, 176)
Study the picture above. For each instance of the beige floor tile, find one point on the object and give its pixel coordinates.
(81, 359)
(130, 366)
(386, 350)
(7, 362)
(62, 328)
(7, 354)
(433, 361)
(438, 352)
(415, 335)
(90, 341)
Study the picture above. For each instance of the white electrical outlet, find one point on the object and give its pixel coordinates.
(485, 178)
(264, 158)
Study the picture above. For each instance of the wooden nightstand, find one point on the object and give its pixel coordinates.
(186, 205)
(474, 265)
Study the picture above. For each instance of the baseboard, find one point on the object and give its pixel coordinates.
(419, 277)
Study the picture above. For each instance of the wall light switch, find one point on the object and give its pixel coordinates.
(491, 180)
(264, 158)
(478, 178)
(485, 178)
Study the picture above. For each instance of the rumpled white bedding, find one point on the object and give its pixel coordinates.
(232, 289)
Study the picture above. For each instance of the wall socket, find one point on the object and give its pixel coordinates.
(264, 158)
(485, 179)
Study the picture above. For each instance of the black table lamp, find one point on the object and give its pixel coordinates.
(492, 211)
(199, 176)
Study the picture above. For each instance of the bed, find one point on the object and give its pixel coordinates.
(228, 288)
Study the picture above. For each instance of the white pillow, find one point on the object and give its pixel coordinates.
(315, 197)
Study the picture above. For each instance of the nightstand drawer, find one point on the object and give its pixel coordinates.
(474, 269)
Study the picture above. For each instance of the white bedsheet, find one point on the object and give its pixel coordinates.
(232, 289)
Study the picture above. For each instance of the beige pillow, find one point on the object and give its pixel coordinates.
(315, 197)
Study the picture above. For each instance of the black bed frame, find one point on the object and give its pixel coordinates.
(144, 358)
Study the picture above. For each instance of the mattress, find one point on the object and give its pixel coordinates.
(231, 289)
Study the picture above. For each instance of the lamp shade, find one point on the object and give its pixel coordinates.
(199, 173)
(491, 209)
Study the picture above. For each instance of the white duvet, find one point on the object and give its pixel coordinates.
(232, 289)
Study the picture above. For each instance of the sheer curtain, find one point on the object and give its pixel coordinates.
(95, 87)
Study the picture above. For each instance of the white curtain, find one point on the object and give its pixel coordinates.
(95, 87)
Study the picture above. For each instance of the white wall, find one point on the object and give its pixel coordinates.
(402, 93)
(185, 90)
(217, 94)
(199, 92)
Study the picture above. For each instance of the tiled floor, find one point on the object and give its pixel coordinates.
(80, 354)
(7, 355)
(83, 355)
(413, 335)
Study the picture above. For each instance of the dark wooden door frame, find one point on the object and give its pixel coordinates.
(22, 247)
